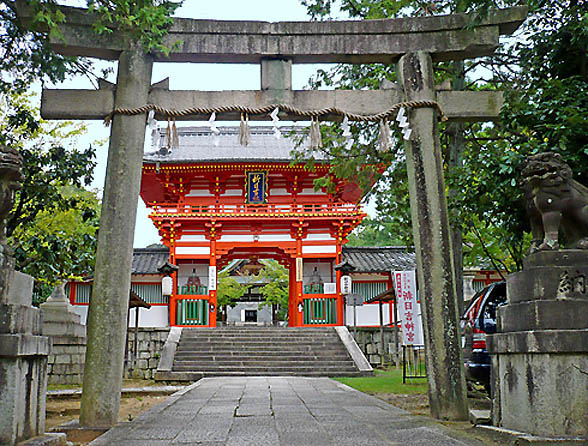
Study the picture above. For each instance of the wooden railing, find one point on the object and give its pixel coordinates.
(320, 310)
(317, 288)
(193, 290)
(191, 310)
(242, 210)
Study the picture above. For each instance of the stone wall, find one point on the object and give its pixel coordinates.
(66, 360)
(370, 343)
(68, 339)
(150, 343)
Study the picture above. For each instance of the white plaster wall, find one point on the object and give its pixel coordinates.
(367, 315)
(311, 191)
(199, 193)
(232, 193)
(236, 238)
(275, 238)
(199, 250)
(319, 249)
(319, 236)
(82, 310)
(156, 316)
(192, 238)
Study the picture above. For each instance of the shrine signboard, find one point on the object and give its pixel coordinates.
(256, 187)
(408, 307)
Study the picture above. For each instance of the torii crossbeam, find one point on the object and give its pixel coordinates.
(415, 43)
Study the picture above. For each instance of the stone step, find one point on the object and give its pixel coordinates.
(260, 328)
(284, 344)
(300, 346)
(262, 355)
(279, 332)
(318, 338)
(187, 356)
(194, 365)
(304, 345)
(194, 376)
(273, 369)
(259, 351)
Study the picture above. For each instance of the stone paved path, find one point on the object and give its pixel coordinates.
(276, 411)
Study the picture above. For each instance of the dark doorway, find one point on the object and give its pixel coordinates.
(250, 315)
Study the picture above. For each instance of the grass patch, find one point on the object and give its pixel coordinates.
(386, 381)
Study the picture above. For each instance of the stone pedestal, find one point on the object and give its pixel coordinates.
(23, 360)
(68, 339)
(540, 353)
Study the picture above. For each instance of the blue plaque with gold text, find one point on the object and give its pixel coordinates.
(256, 187)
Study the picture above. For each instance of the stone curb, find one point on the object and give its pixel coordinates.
(152, 390)
(49, 439)
(106, 438)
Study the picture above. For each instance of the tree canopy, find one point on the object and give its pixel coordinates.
(54, 221)
(543, 71)
(53, 224)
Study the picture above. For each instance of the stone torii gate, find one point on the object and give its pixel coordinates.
(413, 43)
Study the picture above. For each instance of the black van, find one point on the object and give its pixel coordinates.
(478, 320)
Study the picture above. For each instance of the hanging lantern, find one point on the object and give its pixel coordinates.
(167, 283)
(167, 286)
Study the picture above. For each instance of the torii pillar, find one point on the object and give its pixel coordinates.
(436, 272)
(107, 321)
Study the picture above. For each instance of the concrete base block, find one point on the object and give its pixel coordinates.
(60, 329)
(540, 355)
(522, 439)
(542, 394)
(22, 397)
(19, 319)
(19, 289)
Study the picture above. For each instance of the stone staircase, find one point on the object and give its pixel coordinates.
(259, 351)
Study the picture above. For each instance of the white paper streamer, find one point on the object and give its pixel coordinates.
(151, 120)
(212, 124)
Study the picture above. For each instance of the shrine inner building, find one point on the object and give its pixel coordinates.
(214, 201)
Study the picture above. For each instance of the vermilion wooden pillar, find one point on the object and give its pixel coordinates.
(212, 293)
(340, 302)
(298, 300)
(292, 294)
(172, 299)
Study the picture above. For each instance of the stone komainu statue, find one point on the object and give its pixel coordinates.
(554, 200)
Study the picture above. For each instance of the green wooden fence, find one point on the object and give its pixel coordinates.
(320, 311)
(192, 312)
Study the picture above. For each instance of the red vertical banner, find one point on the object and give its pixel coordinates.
(408, 308)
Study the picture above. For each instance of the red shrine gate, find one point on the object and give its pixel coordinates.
(213, 201)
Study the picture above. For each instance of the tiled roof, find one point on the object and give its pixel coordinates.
(379, 259)
(199, 144)
(147, 260)
(364, 259)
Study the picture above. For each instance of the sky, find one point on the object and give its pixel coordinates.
(195, 77)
